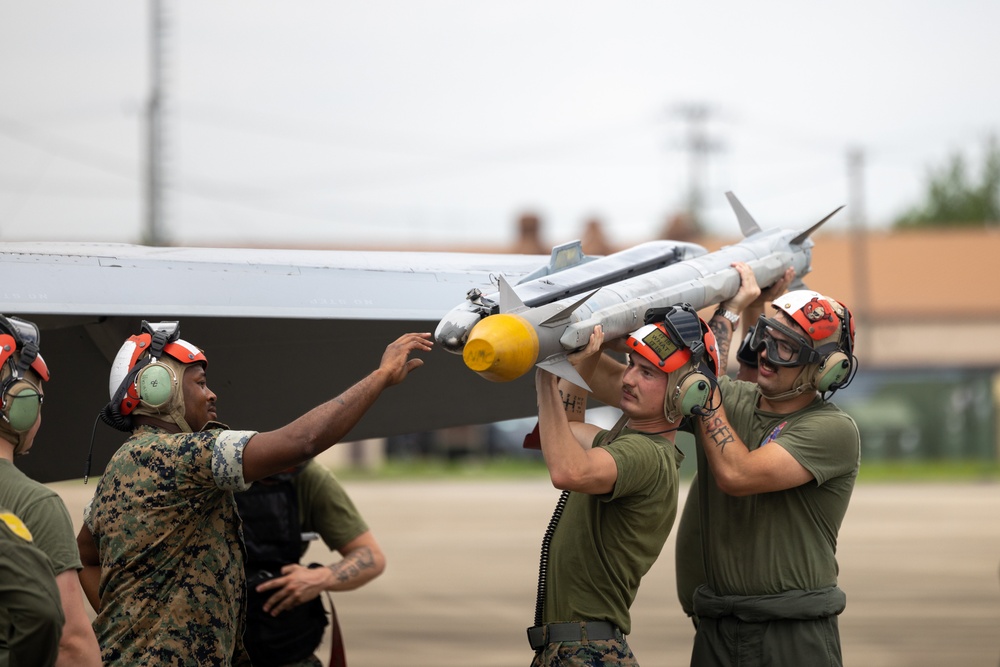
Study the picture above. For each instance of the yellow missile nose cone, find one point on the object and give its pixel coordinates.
(501, 348)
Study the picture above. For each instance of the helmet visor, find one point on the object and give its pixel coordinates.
(785, 346)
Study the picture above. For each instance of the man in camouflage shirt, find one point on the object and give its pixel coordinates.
(161, 540)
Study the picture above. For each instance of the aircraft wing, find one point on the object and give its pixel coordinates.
(284, 330)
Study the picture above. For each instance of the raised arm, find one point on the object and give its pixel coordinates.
(324, 426)
(566, 447)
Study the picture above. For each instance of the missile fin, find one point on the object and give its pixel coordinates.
(560, 366)
(567, 311)
(804, 235)
(509, 300)
(748, 225)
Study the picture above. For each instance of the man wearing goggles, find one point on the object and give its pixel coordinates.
(776, 466)
(45, 518)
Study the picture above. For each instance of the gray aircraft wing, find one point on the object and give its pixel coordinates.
(284, 330)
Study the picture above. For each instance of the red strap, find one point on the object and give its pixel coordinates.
(337, 657)
(534, 439)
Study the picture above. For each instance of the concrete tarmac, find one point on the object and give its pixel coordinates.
(919, 564)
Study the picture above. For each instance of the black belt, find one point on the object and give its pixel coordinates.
(540, 635)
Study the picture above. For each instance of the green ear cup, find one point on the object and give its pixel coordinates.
(23, 403)
(155, 383)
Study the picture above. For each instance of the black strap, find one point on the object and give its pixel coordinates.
(592, 631)
(543, 564)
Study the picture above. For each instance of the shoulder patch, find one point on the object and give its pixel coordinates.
(16, 526)
(774, 434)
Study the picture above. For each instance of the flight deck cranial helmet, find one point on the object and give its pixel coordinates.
(679, 343)
(22, 371)
(822, 344)
(147, 374)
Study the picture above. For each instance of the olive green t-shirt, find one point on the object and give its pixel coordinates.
(769, 543)
(31, 613)
(604, 544)
(45, 515)
(325, 507)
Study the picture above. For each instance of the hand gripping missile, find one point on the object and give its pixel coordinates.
(505, 345)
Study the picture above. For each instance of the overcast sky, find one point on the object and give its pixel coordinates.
(416, 122)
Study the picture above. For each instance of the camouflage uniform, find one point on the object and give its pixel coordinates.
(604, 653)
(164, 520)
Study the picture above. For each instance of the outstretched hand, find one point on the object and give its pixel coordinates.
(396, 361)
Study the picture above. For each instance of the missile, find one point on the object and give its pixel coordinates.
(503, 336)
(569, 273)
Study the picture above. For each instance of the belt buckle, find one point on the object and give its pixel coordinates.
(536, 637)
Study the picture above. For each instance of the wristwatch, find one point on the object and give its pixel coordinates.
(732, 317)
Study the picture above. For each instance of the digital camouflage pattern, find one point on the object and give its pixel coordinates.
(165, 524)
(604, 653)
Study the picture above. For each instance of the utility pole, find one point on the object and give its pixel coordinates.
(859, 247)
(698, 145)
(153, 233)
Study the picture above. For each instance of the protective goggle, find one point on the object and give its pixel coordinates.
(789, 348)
(24, 332)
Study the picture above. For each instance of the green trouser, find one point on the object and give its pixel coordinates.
(31, 615)
(789, 629)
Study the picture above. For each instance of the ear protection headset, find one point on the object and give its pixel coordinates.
(675, 336)
(145, 380)
(835, 371)
(818, 317)
(20, 398)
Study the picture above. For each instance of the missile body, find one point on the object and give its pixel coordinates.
(504, 345)
(569, 273)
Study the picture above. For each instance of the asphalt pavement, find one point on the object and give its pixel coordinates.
(920, 564)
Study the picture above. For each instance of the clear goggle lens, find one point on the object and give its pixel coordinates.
(785, 347)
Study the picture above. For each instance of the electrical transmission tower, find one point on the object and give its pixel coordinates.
(698, 145)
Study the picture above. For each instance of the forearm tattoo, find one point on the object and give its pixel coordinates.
(574, 404)
(718, 431)
(723, 330)
(352, 566)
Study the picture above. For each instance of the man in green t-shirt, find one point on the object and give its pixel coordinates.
(776, 465)
(283, 628)
(619, 488)
(22, 371)
(31, 616)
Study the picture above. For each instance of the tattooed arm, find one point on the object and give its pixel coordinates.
(363, 561)
(566, 439)
(723, 329)
(739, 471)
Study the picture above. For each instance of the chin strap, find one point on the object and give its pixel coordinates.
(794, 391)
